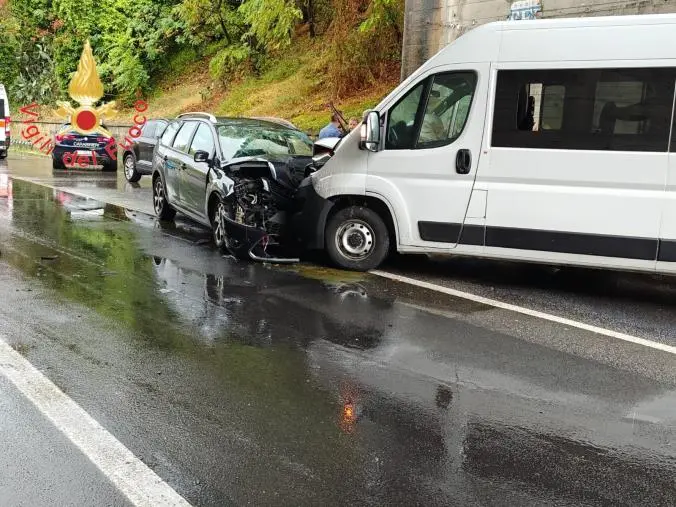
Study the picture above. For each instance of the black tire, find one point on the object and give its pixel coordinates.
(129, 165)
(57, 163)
(3, 154)
(162, 208)
(110, 166)
(357, 238)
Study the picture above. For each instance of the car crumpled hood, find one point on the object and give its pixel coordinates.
(290, 169)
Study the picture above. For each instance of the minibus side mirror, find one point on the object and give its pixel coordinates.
(370, 132)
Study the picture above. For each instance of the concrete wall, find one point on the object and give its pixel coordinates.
(429, 25)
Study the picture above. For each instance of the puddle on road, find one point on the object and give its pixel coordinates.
(326, 274)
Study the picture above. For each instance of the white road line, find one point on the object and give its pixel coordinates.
(142, 486)
(527, 311)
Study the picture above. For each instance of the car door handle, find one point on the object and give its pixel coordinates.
(463, 161)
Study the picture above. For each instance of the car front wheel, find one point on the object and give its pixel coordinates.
(218, 213)
(357, 238)
(130, 172)
(163, 210)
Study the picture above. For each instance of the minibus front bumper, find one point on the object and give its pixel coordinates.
(309, 222)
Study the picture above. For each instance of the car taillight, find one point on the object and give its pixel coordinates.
(66, 137)
(102, 139)
(7, 118)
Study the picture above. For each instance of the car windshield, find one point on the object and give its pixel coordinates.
(250, 140)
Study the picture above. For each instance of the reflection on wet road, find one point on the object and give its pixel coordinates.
(92, 183)
(244, 383)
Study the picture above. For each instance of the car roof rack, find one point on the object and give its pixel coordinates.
(199, 114)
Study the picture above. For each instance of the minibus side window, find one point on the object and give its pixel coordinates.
(431, 114)
(540, 107)
(625, 109)
(447, 109)
(401, 123)
(551, 109)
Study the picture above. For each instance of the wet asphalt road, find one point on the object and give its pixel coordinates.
(249, 384)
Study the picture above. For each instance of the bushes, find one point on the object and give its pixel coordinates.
(230, 61)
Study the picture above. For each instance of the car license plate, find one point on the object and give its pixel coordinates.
(84, 152)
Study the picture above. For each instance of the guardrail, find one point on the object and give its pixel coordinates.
(22, 146)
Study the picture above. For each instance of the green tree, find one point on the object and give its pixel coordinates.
(385, 15)
(241, 33)
(270, 22)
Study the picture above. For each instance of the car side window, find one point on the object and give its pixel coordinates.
(159, 128)
(148, 130)
(183, 137)
(203, 140)
(169, 133)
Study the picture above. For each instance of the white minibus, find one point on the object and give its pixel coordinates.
(547, 141)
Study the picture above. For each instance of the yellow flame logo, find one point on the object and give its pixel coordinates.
(86, 89)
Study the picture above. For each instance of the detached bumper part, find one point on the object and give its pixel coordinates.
(252, 243)
(309, 223)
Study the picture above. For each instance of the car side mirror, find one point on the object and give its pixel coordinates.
(370, 132)
(201, 156)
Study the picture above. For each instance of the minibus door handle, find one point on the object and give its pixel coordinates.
(463, 161)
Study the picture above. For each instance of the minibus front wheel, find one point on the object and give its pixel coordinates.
(357, 238)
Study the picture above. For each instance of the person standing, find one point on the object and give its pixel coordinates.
(332, 129)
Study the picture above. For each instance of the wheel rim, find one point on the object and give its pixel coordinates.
(355, 239)
(158, 196)
(219, 224)
(128, 167)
